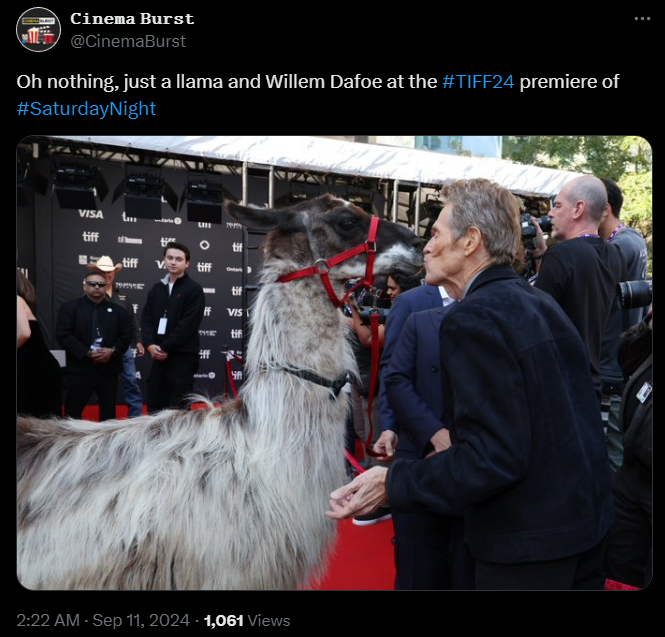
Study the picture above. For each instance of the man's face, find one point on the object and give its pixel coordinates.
(109, 277)
(175, 262)
(444, 255)
(94, 287)
(605, 221)
(562, 215)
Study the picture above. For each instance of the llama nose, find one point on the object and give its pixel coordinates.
(418, 243)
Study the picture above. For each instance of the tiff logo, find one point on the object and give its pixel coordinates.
(204, 354)
(236, 290)
(204, 267)
(236, 375)
(135, 307)
(207, 311)
(91, 237)
(237, 247)
(236, 333)
(130, 262)
(127, 219)
(204, 225)
(164, 240)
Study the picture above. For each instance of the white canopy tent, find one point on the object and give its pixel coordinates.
(346, 158)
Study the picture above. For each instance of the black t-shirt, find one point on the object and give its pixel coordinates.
(582, 275)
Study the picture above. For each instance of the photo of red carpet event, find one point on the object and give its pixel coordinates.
(326, 363)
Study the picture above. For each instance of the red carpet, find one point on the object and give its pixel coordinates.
(363, 559)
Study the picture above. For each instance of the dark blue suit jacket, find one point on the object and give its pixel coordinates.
(528, 463)
(413, 382)
(424, 297)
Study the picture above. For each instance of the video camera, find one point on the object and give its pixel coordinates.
(528, 229)
(529, 234)
(634, 294)
(366, 301)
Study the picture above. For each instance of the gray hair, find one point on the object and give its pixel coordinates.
(591, 191)
(493, 210)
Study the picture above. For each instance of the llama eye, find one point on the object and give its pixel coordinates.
(347, 224)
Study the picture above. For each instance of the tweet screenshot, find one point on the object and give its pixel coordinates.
(258, 366)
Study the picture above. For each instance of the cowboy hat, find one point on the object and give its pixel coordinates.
(104, 264)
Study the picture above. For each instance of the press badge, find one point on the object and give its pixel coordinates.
(161, 329)
(644, 392)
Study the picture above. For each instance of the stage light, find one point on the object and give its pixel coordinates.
(143, 196)
(143, 192)
(204, 201)
(298, 192)
(28, 178)
(77, 186)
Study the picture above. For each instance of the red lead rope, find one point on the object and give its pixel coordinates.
(374, 325)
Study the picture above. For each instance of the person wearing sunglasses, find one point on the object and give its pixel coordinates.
(94, 333)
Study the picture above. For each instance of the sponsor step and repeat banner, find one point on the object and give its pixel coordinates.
(67, 239)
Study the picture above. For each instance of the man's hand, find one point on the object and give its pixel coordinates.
(362, 496)
(440, 441)
(385, 446)
(140, 349)
(157, 353)
(100, 356)
(539, 241)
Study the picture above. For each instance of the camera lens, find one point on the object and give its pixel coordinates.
(545, 223)
(635, 294)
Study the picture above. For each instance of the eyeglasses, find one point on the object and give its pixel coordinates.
(95, 284)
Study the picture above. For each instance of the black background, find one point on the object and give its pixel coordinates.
(318, 41)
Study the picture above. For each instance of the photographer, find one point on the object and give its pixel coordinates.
(359, 320)
(582, 270)
(360, 303)
(629, 557)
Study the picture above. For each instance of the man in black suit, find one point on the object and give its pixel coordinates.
(170, 325)
(95, 334)
(429, 549)
(430, 552)
(527, 464)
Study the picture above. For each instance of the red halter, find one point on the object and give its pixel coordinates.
(322, 267)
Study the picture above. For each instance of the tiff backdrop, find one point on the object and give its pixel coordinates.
(65, 240)
(54, 245)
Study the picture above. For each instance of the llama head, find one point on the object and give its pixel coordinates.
(324, 227)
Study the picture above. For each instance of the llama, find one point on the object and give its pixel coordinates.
(231, 496)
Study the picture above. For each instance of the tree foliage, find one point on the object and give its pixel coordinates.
(627, 160)
(600, 155)
(637, 206)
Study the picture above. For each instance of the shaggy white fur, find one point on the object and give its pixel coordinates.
(229, 497)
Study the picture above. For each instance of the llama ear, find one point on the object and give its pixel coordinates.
(258, 218)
